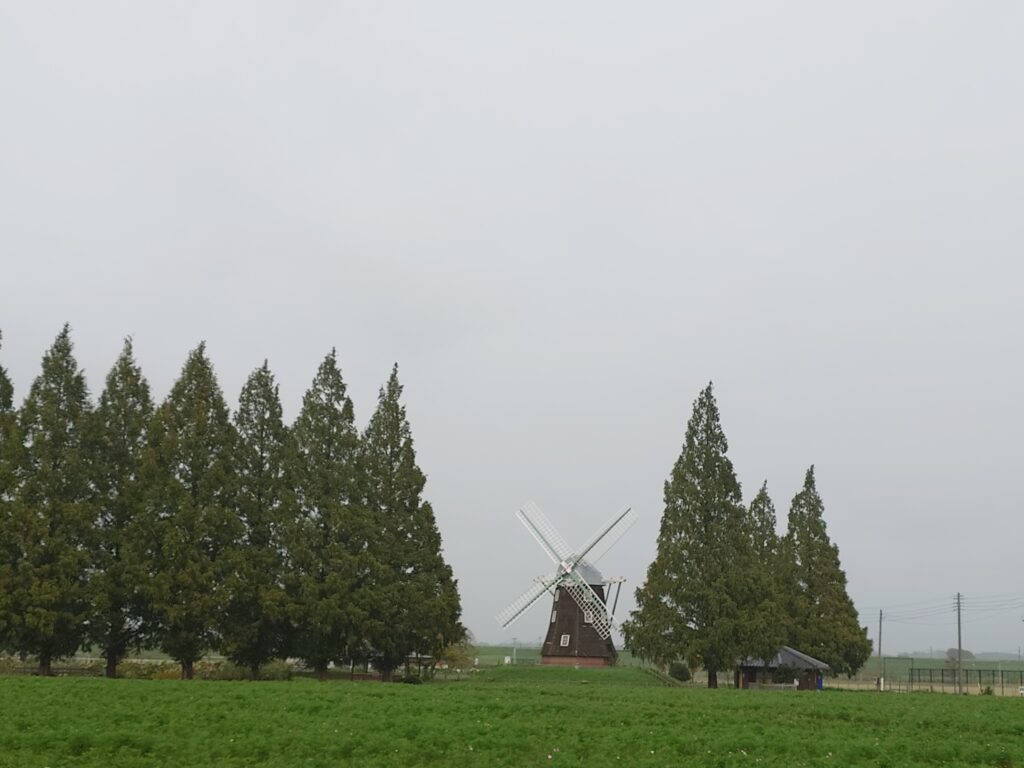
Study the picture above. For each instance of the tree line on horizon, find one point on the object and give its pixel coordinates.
(182, 527)
(724, 586)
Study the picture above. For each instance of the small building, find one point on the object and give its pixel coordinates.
(757, 673)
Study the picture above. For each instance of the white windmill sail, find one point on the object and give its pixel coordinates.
(544, 532)
(575, 568)
(525, 600)
(607, 535)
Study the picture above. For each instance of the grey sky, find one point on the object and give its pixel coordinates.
(562, 219)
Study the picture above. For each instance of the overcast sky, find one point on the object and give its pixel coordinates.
(563, 220)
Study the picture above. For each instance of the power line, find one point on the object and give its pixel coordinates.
(925, 612)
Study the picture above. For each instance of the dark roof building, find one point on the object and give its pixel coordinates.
(756, 673)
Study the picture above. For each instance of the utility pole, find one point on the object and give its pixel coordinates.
(881, 658)
(959, 647)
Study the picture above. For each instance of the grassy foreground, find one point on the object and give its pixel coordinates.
(503, 717)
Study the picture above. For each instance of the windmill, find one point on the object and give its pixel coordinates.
(580, 629)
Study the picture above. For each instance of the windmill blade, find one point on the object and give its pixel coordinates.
(525, 600)
(589, 602)
(544, 532)
(607, 535)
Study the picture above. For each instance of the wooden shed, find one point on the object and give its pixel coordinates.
(757, 673)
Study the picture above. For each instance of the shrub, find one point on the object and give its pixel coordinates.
(139, 669)
(278, 669)
(679, 671)
(219, 670)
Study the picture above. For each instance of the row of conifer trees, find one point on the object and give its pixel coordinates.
(724, 585)
(125, 524)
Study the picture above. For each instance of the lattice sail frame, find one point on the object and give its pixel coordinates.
(568, 562)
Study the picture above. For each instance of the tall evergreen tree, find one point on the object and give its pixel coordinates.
(694, 602)
(11, 450)
(51, 516)
(6, 388)
(767, 626)
(328, 566)
(10, 441)
(119, 439)
(824, 621)
(416, 601)
(763, 524)
(189, 475)
(254, 622)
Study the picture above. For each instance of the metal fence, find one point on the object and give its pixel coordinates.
(1001, 681)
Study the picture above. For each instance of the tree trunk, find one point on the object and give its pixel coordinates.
(111, 670)
(321, 672)
(187, 670)
(385, 675)
(254, 670)
(45, 668)
(712, 678)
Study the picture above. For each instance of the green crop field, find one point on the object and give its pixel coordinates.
(525, 716)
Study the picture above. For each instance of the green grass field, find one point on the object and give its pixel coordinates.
(525, 716)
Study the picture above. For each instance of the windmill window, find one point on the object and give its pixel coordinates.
(588, 617)
(553, 616)
(565, 641)
(557, 593)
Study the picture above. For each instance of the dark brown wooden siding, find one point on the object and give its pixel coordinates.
(584, 642)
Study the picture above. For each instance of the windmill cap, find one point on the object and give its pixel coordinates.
(590, 573)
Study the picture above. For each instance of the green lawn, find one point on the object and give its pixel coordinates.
(524, 716)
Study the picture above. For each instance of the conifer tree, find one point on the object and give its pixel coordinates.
(693, 603)
(51, 516)
(823, 619)
(767, 625)
(119, 571)
(189, 474)
(328, 567)
(11, 449)
(10, 441)
(254, 622)
(416, 601)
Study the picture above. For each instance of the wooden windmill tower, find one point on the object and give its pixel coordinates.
(580, 628)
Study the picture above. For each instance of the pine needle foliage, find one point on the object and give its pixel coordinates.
(175, 527)
(118, 567)
(767, 622)
(253, 625)
(708, 598)
(10, 447)
(51, 515)
(823, 619)
(11, 464)
(416, 604)
(328, 569)
(189, 472)
(6, 388)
